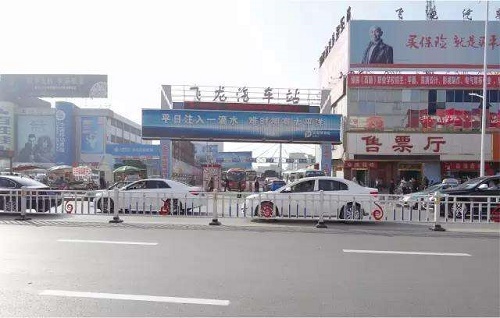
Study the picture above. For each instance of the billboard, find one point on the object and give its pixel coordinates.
(65, 125)
(241, 126)
(92, 136)
(423, 44)
(6, 129)
(133, 150)
(35, 139)
(422, 81)
(454, 145)
(237, 159)
(54, 85)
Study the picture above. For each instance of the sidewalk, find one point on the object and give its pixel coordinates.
(247, 223)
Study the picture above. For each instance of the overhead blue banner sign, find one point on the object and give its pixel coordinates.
(241, 126)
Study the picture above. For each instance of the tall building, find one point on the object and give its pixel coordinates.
(408, 93)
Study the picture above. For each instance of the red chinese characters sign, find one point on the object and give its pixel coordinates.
(452, 118)
(403, 144)
(460, 166)
(422, 80)
(361, 164)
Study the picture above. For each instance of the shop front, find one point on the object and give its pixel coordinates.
(464, 170)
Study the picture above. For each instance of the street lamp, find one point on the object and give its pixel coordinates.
(484, 96)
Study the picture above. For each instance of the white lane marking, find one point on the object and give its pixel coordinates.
(107, 242)
(178, 300)
(404, 253)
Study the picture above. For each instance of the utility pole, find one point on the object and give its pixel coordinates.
(280, 164)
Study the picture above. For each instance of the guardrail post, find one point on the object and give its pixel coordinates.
(321, 223)
(215, 215)
(22, 217)
(437, 214)
(116, 217)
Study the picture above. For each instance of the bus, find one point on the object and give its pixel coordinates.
(291, 176)
(236, 179)
(251, 175)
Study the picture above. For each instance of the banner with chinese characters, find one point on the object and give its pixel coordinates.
(417, 144)
(133, 150)
(241, 126)
(360, 164)
(54, 85)
(366, 122)
(452, 119)
(423, 44)
(244, 95)
(65, 125)
(422, 81)
(6, 129)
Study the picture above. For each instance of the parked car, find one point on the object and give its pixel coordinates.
(90, 195)
(276, 184)
(151, 195)
(471, 196)
(39, 196)
(417, 199)
(344, 198)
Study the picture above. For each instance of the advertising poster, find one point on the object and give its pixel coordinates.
(239, 126)
(92, 134)
(35, 139)
(426, 44)
(65, 125)
(54, 85)
(6, 128)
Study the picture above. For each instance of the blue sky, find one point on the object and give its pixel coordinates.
(143, 44)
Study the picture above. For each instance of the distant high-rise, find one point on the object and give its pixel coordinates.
(430, 10)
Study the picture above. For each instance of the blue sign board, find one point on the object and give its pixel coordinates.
(241, 126)
(92, 134)
(133, 150)
(65, 125)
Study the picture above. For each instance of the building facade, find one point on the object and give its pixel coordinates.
(416, 112)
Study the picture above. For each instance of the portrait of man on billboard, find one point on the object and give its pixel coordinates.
(377, 52)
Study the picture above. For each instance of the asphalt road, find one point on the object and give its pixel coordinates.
(210, 272)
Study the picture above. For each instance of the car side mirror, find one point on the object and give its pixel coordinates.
(483, 187)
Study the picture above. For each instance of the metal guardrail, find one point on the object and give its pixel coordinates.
(320, 206)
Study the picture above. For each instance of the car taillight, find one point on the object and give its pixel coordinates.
(374, 193)
(194, 192)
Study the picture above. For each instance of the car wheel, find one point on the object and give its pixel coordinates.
(350, 211)
(106, 205)
(173, 208)
(459, 209)
(10, 205)
(266, 210)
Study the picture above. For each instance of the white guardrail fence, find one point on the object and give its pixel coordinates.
(320, 206)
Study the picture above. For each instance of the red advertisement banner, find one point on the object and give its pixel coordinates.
(422, 80)
(452, 118)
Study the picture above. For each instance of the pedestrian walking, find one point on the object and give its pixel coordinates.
(257, 185)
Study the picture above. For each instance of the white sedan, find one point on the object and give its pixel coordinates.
(309, 197)
(151, 195)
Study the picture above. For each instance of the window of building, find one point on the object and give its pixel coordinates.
(459, 96)
(450, 95)
(441, 95)
(494, 96)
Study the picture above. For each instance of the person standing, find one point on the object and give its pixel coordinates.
(392, 187)
(257, 185)
(211, 184)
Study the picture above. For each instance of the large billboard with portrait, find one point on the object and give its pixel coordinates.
(35, 139)
(92, 141)
(423, 44)
(241, 126)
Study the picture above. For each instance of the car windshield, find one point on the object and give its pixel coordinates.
(469, 184)
(27, 182)
(236, 175)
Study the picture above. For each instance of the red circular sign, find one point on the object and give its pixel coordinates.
(377, 214)
(69, 207)
(495, 215)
